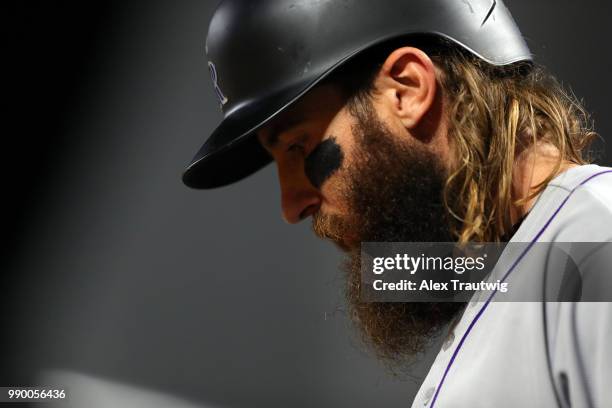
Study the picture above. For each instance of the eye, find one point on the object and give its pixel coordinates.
(296, 147)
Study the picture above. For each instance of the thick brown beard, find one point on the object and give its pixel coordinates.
(395, 194)
(396, 332)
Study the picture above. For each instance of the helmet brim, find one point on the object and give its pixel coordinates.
(233, 152)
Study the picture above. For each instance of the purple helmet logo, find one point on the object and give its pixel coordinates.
(213, 76)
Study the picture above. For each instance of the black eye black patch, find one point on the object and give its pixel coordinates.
(324, 161)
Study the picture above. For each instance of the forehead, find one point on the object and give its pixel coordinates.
(320, 104)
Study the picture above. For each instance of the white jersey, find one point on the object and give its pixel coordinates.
(535, 354)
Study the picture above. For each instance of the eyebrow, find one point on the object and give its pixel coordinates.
(276, 130)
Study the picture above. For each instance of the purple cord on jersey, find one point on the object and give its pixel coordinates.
(488, 301)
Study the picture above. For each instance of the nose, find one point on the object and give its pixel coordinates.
(298, 205)
(299, 198)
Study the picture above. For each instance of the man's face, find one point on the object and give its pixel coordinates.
(362, 177)
(340, 164)
(312, 145)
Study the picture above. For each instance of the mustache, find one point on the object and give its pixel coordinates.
(335, 228)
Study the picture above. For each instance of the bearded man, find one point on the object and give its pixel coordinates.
(422, 121)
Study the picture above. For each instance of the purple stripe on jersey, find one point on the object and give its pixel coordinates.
(488, 301)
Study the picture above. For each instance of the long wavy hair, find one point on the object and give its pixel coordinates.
(494, 113)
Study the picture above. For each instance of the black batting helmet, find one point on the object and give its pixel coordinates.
(263, 55)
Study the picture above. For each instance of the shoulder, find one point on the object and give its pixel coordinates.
(586, 215)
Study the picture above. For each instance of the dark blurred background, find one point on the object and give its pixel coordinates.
(114, 271)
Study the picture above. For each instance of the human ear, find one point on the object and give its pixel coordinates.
(407, 81)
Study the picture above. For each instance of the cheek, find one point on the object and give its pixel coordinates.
(323, 162)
